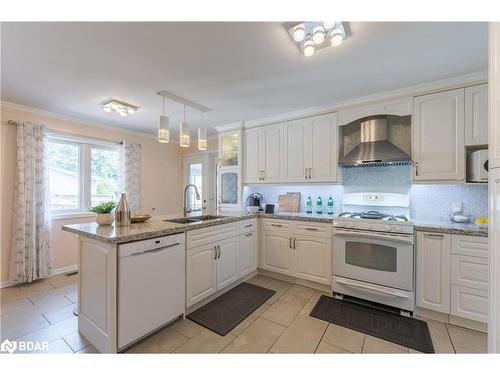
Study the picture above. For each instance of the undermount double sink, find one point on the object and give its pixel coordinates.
(193, 219)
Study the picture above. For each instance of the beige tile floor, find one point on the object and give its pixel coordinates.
(44, 311)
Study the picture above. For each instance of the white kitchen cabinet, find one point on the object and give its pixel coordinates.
(263, 154)
(438, 137)
(277, 253)
(476, 115)
(201, 273)
(253, 155)
(295, 165)
(227, 262)
(469, 303)
(321, 146)
(313, 258)
(247, 253)
(433, 271)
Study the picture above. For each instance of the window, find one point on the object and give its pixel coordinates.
(81, 174)
(195, 177)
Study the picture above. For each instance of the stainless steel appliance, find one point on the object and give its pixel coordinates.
(373, 258)
(478, 166)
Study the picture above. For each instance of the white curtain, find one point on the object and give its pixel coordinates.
(31, 257)
(131, 174)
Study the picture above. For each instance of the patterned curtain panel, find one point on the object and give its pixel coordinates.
(31, 257)
(131, 174)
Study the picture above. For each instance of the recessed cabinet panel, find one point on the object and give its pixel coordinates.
(247, 259)
(469, 303)
(276, 253)
(201, 273)
(313, 258)
(476, 115)
(324, 148)
(227, 262)
(438, 137)
(295, 133)
(433, 271)
(470, 272)
(273, 152)
(252, 151)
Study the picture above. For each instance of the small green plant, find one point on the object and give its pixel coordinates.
(103, 208)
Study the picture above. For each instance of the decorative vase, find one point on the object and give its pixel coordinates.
(104, 219)
(122, 212)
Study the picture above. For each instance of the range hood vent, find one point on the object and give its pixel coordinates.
(375, 149)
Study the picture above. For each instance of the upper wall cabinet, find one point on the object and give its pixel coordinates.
(400, 107)
(303, 150)
(476, 115)
(438, 137)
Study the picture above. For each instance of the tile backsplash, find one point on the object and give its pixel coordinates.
(427, 202)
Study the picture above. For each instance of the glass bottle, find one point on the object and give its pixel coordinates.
(319, 206)
(330, 206)
(309, 205)
(122, 212)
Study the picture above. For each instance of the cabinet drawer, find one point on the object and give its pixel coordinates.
(214, 233)
(248, 225)
(312, 228)
(471, 272)
(470, 246)
(469, 303)
(277, 225)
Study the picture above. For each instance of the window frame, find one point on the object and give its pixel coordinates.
(85, 146)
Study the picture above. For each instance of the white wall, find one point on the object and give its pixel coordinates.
(161, 180)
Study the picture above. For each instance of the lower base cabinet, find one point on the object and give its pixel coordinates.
(247, 259)
(227, 262)
(201, 273)
(286, 250)
(452, 275)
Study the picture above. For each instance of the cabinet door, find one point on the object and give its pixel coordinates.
(247, 253)
(313, 258)
(227, 262)
(252, 151)
(277, 252)
(201, 273)
(476, 115)
(494, 110)
(273, 152)
(322, 148)
(433, 271)
(295, 133)
(438, 136)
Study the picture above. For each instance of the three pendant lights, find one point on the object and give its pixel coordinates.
(184, 136)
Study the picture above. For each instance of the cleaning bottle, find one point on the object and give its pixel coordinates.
(309, 205)
(330, 205)
(319, 206)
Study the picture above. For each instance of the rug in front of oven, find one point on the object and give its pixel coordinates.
(409, 332)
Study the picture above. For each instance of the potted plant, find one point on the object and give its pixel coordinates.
(103, 211)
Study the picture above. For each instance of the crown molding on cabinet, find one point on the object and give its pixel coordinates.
(229, 127)
(60, 116)
(410, 91)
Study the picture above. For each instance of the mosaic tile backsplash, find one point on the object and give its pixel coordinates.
(427, 202)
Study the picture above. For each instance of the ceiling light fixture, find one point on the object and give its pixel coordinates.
(184, 138)
(299, 33)
(202, 136)
(122, 108)
(163, 126)
(314, 36)
(308, 48)
(318, 35)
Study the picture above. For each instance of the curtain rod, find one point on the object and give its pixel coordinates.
(10, 122)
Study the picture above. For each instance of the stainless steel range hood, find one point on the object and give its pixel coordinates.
(375, 149)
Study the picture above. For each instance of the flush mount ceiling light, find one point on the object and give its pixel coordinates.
(184, 137)
(313, 36)
(122, 108)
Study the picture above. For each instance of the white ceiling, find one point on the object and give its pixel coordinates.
(243, 71)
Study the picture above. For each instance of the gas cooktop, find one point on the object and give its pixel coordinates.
(375, 215)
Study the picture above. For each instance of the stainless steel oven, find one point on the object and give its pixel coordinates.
(374, 265)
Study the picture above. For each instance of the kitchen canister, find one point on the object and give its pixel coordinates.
(122, 212)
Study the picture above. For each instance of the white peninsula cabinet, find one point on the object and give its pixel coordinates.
(303, 150)
(438, 136)
(297, 248)
(452, 275)
(218, 257)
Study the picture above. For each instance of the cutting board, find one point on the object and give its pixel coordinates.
(289, 202)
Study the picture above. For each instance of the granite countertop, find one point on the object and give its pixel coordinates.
(446, 226)
(154, 227)
(324, 218)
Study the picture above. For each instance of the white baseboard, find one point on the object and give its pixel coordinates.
(55, 271)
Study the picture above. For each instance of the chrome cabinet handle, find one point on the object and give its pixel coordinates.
(218, 247)
(215, 252)
(249, 235)
(416, 168)
(290, 243)
(294, 243)
(433, 235)
(310, 173)
(276, 225)
(305, 173)
(311, 228)
(248, 225)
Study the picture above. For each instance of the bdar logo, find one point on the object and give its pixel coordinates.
(8, 346)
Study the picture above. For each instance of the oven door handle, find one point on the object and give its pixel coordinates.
(372, 288)
(402, 239)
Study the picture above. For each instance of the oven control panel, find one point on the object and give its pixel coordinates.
(374, 225)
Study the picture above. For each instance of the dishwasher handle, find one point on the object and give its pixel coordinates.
(154, 251)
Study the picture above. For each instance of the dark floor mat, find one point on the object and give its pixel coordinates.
(401, 330)
(226, 311)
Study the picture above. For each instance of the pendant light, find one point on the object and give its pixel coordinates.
(163, 125)
(202, 136)
(184, 131)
